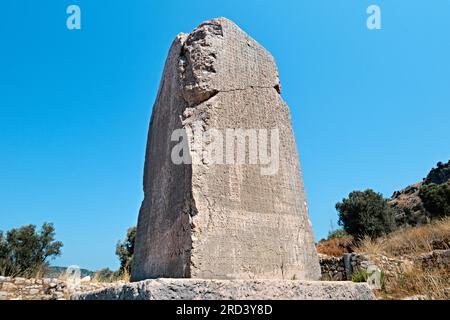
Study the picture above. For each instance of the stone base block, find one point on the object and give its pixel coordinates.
(199, 289)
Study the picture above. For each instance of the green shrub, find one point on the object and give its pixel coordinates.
(366, 213)
(360, 276)
(436, 199)
(337, 234)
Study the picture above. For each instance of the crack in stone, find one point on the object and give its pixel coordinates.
(216, 92)
(276, 87)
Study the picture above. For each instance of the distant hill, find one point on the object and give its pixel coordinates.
(55, 272)
(410, 210)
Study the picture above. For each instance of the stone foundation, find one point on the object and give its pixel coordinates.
(198, 289)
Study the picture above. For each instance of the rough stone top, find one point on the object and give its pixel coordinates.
(218, 56)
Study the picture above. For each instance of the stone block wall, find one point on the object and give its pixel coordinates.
(42, 289)
(342, 268)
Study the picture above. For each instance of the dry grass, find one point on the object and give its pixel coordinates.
(116, 277)
(125, 277)
(336, 247)
(38, 272)
(416, 282)
(411, 241)
(98, 278)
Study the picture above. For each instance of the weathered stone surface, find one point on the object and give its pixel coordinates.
(197, 289)
(222, 221)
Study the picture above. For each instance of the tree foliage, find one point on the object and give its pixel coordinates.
(366, 213)
(125, 251)
(25, 251)
(436, 199)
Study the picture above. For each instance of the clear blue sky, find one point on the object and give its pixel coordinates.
(370, 109)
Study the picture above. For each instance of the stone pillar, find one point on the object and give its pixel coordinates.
(225, 220)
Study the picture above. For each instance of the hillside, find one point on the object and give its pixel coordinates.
(414, 262)
(409, 206)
